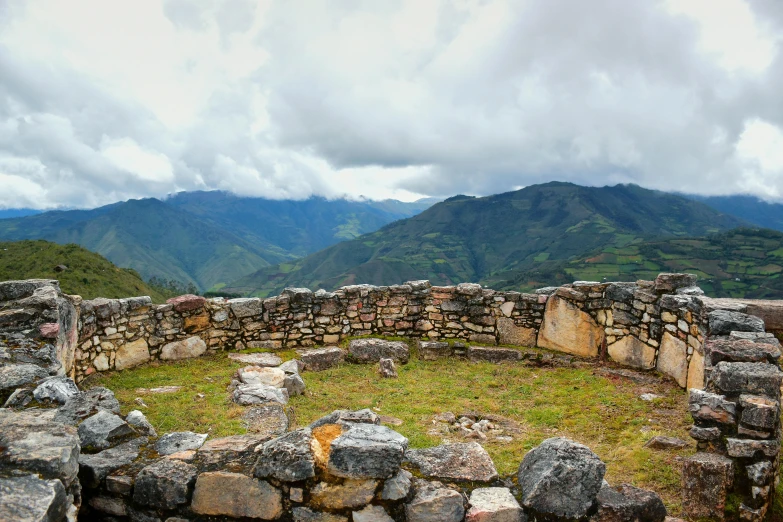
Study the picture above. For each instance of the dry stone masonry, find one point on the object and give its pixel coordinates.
(68, 453)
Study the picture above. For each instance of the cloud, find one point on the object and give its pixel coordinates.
(100, 102)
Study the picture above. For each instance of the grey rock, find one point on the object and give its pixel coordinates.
(103, 430)
(493, 355)
(30, 352)
(86, 404)
(371, 513)
(319, 359)
(560, 478)
(707, 406)
(672, 282)
(57, 389)
(34, 443)
(139, 421)
(494, 505)
(690, 290)
(706, 481)
(397, 487)
(288, 458)
(366, 451)
(434, 503)
(723, 322)
(705, 434)
(746, 448)
(760, 473)
(303, 514)
(20, 398)
(373, 350)
(13, 376)
(141, 515)
(292, 366)
(294, 384)
(629, 503)
(747, 378)
(177, 441)
(12, 290)
(463, 461)
(31, 499)
(119, 484)
(759, 413)
(246, 307)
(756, 337)
(432, 350)
(662, 442)
(386, 369)
(741, 350)
(365, 416)
(256, 359)
(96, 467)
(109, 505)
(165, 484)
(249, 394)
(267, 419)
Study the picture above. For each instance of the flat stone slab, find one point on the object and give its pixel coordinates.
(319, 359)
(264, 376)
(723, 322)
(266, 420)
(31, 499)
(493, 355)
(366, 451)
(159, 389)
(493, 505)
(373, 350)
(269, 360)
(177, 441)
(465, 461)
(96, 467)
(250, 394)
(235, 495)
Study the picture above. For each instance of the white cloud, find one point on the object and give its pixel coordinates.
(103, 100)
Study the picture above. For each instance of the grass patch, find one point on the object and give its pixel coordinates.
(604, 413)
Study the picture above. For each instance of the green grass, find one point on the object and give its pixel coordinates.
(603, 413)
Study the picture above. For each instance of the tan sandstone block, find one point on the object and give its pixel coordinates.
(131, 354)
(673, 359)
(630, 351)
(696, 371)
(568, 329)
(236, 495)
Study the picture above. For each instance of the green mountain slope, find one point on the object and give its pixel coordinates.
(738, 263)
(88, 275)
(482, 239)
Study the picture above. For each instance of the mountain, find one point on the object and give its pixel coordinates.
(206, 238)
(88, 274)
(489, 239)
(749, 208)
(738, 263)
(17, 212)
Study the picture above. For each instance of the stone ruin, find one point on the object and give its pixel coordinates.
(67, 453)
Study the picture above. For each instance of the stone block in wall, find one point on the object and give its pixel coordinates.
(373, 350)
(510, 333)
(696, 371)
(723, 322)
(673, 359)
(196, 323)
(668, 283)
(245, 307)
(185, 349)
(707, 479)
(431, 350)
(630, 351)
(747, 378)
(710, 407)
(319, 359)
(235, 495)
(493, 355)
(741, 350)
(187, 303)
(568, 329)
(759, 413)
(131, 354)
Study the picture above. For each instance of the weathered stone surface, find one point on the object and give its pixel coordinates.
(319, 359)
(131, 354)
(164, 484)
(292, 366)
(746, 448)
(187, 303)
(109, 506)
(432, 350)
(236, 495)
(673, 358)
(294, 384)
(630, 351)
(434, 503)
(86, 404)
(371, 514)
(303, 514)
(373, 350)
(349, 494)
(749, 378)
(560, 478)
(759, 412)
(661, 442)
(568, 329)
(386, 369)
(268, 420)
(494, 505)
(741, 350)
(257, 375)
(31, 499)
(723, 322)
(288, 458)
(246, 307)
(366, 451)
(249, 394)
(628, 503)
(670, 282)
(347, 417)
(191, 347)
(706, 482)
(257, 359)
(696, 371)
(94, 468)
(705, 434)
(467, 461)
(711, 407)
(510, 333)
(397, 487)
(177, 441)
(15, 375)
(102, 430)
(12, 290)
(493, 355)
(760, 473)
(140, 423)
(58, 389)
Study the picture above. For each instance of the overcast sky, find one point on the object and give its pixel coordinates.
(106, 100)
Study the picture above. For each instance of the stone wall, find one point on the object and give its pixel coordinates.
(646, 325)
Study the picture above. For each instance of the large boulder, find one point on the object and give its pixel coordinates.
(560, 478)
(723, 322)
(31, 499)
(164, 484)
(494, 505)
(191, 347)
(366, 451)
(433, 502)
(463, 461)
(288, 458)
(673, 359)
(221, 493)
(629, 503)
(319, 359)
(131, 354)
(373, 350)
(568, 329)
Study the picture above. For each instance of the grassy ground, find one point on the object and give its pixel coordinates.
(603, 412)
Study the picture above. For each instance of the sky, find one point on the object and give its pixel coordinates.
(103, 100)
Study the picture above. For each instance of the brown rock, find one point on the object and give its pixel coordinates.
(673, 359)
(236, 495)
(568, 329)
(706, 481)
(632, 352)
(510, 333)
(349, 494)
(196, 323)
(186, 303)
